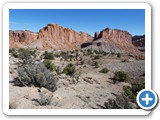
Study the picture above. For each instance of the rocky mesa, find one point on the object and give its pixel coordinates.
(55, 37)
(21, 38)
(51, 36)
(113, 41)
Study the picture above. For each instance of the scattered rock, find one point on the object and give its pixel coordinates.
(44, 97)
(133, 105)
(88, 80)
(65, 83)
(63, 76)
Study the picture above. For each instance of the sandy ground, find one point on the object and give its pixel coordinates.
(90, 90)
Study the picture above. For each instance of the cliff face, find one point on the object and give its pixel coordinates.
(116, 41)
(52, 36)
(113, 41)
(114, 35)
(20, 39)
(56, 37)
(138, 41)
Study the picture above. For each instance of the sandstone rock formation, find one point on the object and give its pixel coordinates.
(20, 39)
(55, 37)
(116, 41)
(52, 36)
(139, 42)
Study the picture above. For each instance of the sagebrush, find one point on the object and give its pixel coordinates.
(36, 74)
(49, 65)
(70, 69)
(120, 76)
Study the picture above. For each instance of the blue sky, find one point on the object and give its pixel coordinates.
(90, 21)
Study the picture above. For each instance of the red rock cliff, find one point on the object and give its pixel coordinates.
(115, 35)
(64, 37)
(52, 36)
(117, 41)
(21, 38)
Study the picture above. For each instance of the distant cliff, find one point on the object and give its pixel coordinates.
(116, 41)
(52, 36)
(138, 40)
(55, 37)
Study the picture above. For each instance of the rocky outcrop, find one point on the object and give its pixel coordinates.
(52, 36)
(19, 39)
(114, 41)
(115, 35)
(55, 37)
(139, 42)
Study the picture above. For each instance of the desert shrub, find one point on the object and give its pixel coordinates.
(120, 76)
(63, 53)
(25, 54)
(119, 55)
(13, 52)
(67, 56)
(96, 64)
(57, 55)
(100, 52)
(104, 70)
(70, 69)
(96, 57)
(132, 91)
(88, 52)
(44, 99)
(96, 51)
(49, 65)
(48, 55)
(121, 102)
(128, 91)
(112, 53)
(35, 74)
(105, 53)
(82, 62)
(138, 85)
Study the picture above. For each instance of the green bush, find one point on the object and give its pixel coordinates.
(13, 52)
(70, 69)
(82, 62)
(120, 76)
(121, 102)
(138, 85)
(48, 55)
(68, 56)
(97, 57)
(96, 64)
(35, 74)
(132, 91)
(112, 53)
(104, 70)
(49, 65)
(88, 52)
(119, 55)
(128, 91)
(25, 54)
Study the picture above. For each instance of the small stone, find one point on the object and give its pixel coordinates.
(88, 80)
